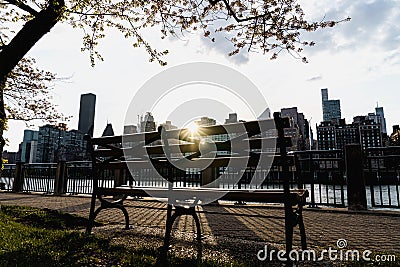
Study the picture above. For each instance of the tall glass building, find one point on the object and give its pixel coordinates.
(381, 118)
(86, 114)
(330, 108)
(57, 143)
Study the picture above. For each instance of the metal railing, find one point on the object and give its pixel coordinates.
(382, 173)
(321, 172)
(79, 177)
(39, 177)
(7, 177)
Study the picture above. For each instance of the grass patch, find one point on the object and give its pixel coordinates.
(34, 237)
(37, 237)
(45, 218)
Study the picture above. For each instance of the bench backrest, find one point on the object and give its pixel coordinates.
(213, 156)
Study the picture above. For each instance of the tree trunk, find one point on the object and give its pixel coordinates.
(28, 36)
(20, 45)
(3, 122)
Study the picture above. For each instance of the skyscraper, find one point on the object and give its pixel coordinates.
(324, 94)
(28, 146)
(381, 118)
(147, 123)
(57, 143)
(86, 113)
(298, 130)
(330, 108)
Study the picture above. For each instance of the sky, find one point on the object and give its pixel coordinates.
(358, 61)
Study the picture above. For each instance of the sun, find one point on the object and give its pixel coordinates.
(192, 127)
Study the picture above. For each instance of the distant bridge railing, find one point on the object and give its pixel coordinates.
(323, 173)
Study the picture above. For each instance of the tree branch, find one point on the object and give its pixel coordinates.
(3, 44)
(23, 6)
(233, 13)
(27, 37)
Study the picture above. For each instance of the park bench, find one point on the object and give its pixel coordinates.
(133, 165)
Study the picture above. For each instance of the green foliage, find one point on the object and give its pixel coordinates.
(3, 161)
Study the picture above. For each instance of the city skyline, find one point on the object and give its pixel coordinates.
(156, 122)
(350, 69)
(147, 122)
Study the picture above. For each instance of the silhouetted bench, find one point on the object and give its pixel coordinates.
(189, 169)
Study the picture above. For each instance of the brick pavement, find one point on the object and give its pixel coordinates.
(374, 231)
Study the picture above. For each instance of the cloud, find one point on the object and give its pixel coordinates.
(374, 24)
(315, 78)
(393, 58)
(224, 46)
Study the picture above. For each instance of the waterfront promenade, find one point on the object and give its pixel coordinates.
(373, 230)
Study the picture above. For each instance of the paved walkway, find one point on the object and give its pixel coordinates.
(374, 231)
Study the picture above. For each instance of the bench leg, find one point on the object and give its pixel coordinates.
(293, 218)
(171, 217)
(179, 211)
(198, 227)
(198, 237)
(289, 233)
(126, 215)
(302, 228)
(168, 228)
(127, 226)
(92, 215)
(104, 204)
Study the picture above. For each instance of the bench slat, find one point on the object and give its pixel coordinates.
(259, 195)
(251, 128)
